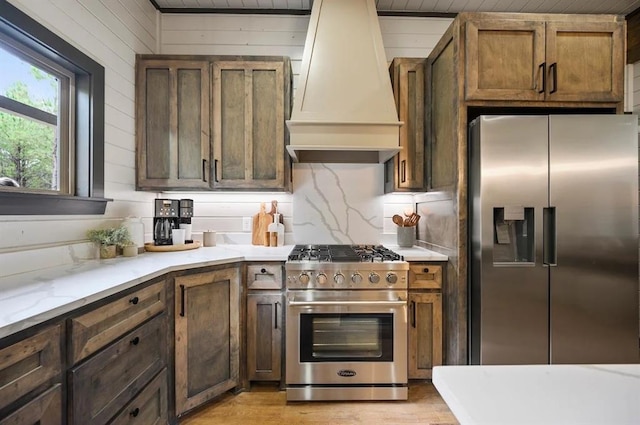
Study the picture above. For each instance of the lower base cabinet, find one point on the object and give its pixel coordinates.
(264, 336)
(207, 336)
(149, 407)
(425, 333)
(45, 409)
(108, 381)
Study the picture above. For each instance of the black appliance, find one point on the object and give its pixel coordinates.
(166, 217)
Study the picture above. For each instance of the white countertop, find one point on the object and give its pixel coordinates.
(32, 298)
(541, 394)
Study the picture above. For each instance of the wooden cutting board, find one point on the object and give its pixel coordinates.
(260, 223)
(274, 210)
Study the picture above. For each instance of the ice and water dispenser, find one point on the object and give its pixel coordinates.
(513, 235)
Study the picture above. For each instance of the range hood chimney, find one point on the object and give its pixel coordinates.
(344, 110)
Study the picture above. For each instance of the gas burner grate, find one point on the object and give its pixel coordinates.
(343, 254)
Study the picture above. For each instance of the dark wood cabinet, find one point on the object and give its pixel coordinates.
(101, 386)
(207, 336)
(537, 59)
(406, 170)
(265, 318)
(30, 379)
(265, 321)
(172, 124)
(149, 407)
(251, 101)
(425, 319)
(212, 122)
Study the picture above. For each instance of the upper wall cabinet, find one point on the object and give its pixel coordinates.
(172, 124)
(406, 170)
(251, 101)
(544, 58)
(212, 122)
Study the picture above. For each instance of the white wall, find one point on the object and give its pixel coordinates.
(112, 32)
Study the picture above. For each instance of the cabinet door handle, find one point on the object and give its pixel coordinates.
(543, 73)
(403, 170)
(134, 300)
(215, 171)
(425, 270)
(263, 271)
(413, 314)
(204, 170)
(135, 412)
(135, 341)
(275, 318)
(554, 73)
(181, 300)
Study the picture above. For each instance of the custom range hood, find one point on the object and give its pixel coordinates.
(344, 110)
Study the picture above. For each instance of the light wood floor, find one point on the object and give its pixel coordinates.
(265, 405)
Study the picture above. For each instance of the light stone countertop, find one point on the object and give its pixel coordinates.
(541, 394)
(33, 298)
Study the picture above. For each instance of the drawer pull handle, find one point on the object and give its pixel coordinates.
(425, 270)
(263, 270)
(135, 412)
(134, 300)
(135, 341)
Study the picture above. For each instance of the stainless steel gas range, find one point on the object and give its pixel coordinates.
(346, 334)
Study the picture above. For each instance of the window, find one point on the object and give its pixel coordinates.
(51, 122)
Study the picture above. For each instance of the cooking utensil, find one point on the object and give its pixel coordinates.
(398, 220)
(411, 220)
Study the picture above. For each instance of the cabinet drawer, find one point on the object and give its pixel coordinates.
(149, 407)
(46, 409)
(104, 384)
(264, 276)
(28, 364)
(101, 326)
(425, 276)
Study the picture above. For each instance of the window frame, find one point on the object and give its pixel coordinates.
(88, 180)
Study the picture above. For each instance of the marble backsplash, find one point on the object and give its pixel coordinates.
(337, 203)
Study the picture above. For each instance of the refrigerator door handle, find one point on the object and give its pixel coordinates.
(549, 240)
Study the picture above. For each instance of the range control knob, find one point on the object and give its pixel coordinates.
(338, 278)
(392, 278)
(374, 277)
(321, 279)
(304, 278)
(356, 278)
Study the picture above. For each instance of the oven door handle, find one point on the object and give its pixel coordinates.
(398, 303)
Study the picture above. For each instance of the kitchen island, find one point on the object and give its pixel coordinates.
(541, 394)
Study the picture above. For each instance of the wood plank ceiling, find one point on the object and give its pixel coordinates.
(409, 7)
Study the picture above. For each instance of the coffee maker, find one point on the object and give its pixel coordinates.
(165, 219)
(186, 213)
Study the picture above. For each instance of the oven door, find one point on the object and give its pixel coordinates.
(346, 337)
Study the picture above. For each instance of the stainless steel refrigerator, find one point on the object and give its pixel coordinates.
(553, 248)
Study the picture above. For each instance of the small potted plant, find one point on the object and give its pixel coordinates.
(109, 239)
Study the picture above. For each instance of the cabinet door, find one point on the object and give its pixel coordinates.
(264, 336)
(207, 329)
(505, 59)
(443, 116)
(408, 166)
(172, 124)
(28, 364)
(585, 61)
(46, 409)
(425, 334)
(250, 105)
